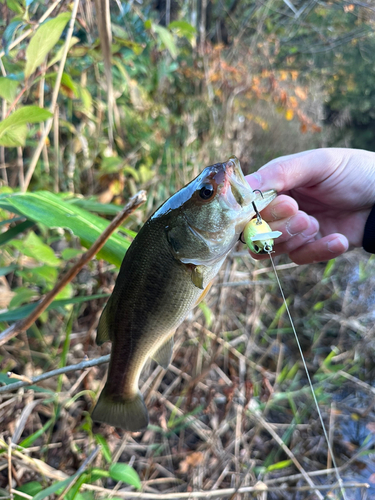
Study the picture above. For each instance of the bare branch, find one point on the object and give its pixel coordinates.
(226, 492)
(53, 373)
(25, 323)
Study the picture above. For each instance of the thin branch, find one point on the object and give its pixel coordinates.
(53, 373)
(221, 493)
(25, 323)
(55, 95)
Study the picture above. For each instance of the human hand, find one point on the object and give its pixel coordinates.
(326, 197)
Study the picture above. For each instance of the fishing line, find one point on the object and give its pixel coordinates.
(339, 480)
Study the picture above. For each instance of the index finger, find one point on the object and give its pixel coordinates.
(305, 169)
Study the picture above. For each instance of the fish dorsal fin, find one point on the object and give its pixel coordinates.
(103, 330)
(197, 276)
(163, 355)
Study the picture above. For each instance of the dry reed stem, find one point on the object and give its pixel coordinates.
(25, 323)
(291, 455)
(223, 492)
(55, 95)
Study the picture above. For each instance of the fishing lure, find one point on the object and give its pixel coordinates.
(258, 235)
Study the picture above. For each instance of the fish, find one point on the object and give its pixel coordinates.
(167, 271)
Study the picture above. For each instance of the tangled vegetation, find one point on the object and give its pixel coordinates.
(92, 114)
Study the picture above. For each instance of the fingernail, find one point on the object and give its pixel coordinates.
(338, 245)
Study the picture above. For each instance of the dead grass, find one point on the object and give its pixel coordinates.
(233, 411)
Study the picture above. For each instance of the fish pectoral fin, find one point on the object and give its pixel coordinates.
(129, 414)
(197, 276)
(163, 355)
(103, 331)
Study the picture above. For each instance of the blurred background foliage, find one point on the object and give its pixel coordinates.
(190, 82)
(193, 81)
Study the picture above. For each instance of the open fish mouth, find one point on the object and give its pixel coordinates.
(237, 192)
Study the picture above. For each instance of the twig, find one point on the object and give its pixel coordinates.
(220, 493)
(25, 323)
(281, 443)
(55, 95)
(10, 468)
(53, 373)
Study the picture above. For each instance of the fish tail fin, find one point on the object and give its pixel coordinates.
(128, 413)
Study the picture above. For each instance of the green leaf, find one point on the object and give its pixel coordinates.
(45, 38)
(31, 488)
(106, 452)
(24, 311)
(55, 487)
(26, 114)
(98, 474)
(183, 29)
(279, 465)
(33, 437)
(125, 474)
(70, 253)
(22, 295)
(33, 247)
(68, 82)
(208, 316)
(59, 53)
(95, 206)
(43, 276)
(8, 88)
(52, 211)
(166, 38)
(15, 6)
(14, 137)
(15, 231)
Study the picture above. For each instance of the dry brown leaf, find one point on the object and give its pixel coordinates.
(192, 460)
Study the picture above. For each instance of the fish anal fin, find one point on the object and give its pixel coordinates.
(103, 330)
(128, 413)
(197, 276)
(163, 355)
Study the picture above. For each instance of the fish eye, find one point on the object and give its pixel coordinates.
(256, 248)
(206, 191)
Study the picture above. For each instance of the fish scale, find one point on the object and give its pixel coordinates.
(164, 274)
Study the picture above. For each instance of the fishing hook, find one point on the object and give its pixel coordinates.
(259, 218)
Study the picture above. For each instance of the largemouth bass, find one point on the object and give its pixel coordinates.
(167, 271)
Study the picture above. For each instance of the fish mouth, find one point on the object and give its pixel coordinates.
(236, 190)
(238, 195)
